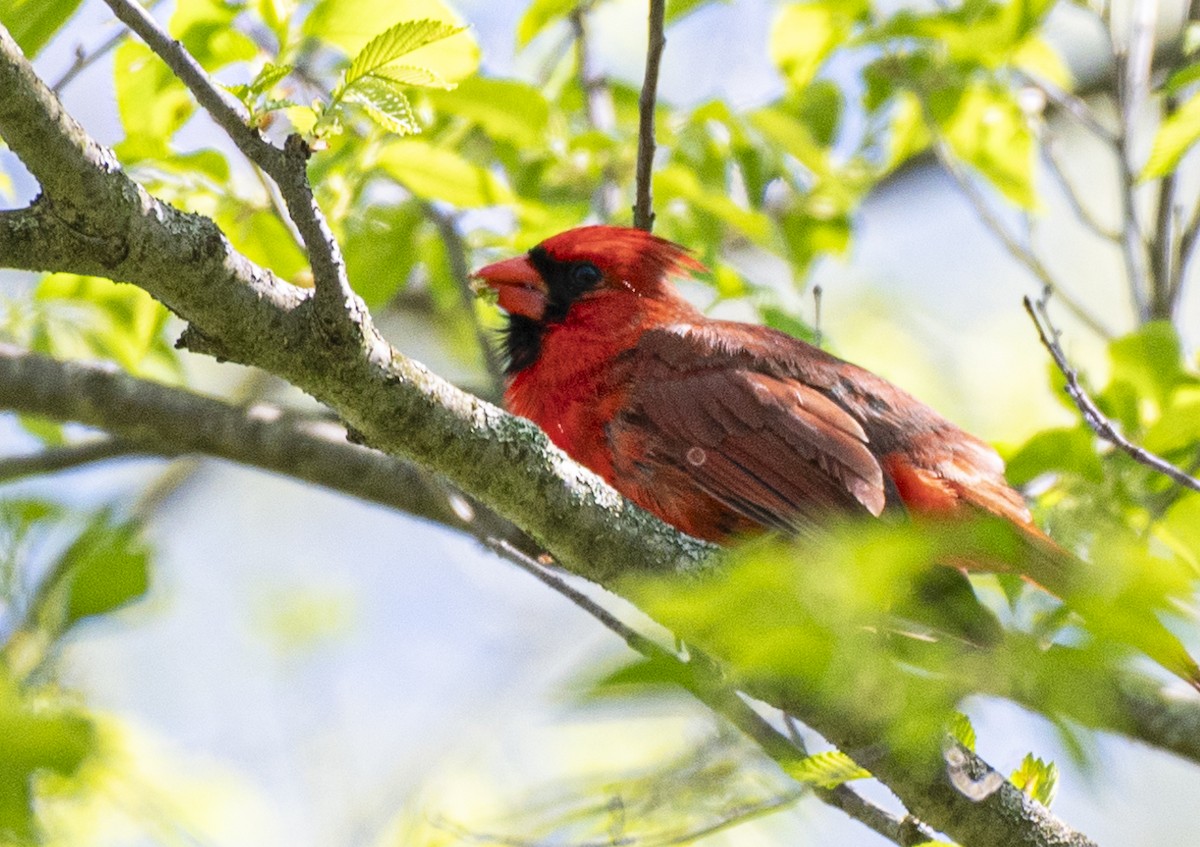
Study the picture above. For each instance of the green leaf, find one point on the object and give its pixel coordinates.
(277, 15)
(1175, 136)
(351, 24)
(416, 77)
(380, 250)
(677, 181)
(438, 173)
(988, 131)
(1069, 450)
(32, 23)
(1180, 529)
(89, 318)
(152, 102)
(677, 10)
(1151, 360)
(37, 738)
(109, 567)
(785, 321)
(264, 238)
(206, 28)
(1036, 778)
(397, 41)
(504, 109)
(826, 770)
(962, 730)
(642, 674)
(805, 34)
(539, 15)
(385, 103)
(1182, 78)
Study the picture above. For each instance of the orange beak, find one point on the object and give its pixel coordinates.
(520, 288)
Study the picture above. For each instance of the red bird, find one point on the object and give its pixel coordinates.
(720, 428)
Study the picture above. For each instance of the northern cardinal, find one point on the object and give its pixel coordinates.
(723, 428)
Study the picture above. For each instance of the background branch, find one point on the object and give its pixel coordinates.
(152, 419)
(643, 207)
(1092, 415)
(68, 457)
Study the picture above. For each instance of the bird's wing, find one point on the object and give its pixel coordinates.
(766, 445)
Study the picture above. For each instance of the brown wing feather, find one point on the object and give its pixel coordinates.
(771, 448)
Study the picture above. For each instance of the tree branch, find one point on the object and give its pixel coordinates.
(456, 252)
(1091, 413)
(55, 459)
(152, 419)
(597, 106)
(643, 208)
(336, 303)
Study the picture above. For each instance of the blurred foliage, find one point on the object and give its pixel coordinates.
(57, 568)
(650, 786)
(502, 163)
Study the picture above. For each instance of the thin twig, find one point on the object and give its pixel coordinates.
(288, 166)
(1131, 85)
(643, 208)
(1076, 202)
(1072, 104)
(456, 252)
(1015, 248)
(597, 106)
(56, 459)
(704, 684)
(1092, 416)
(85, 60)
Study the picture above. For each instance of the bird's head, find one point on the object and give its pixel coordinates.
(583, 263)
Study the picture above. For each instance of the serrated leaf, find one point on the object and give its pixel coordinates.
(397, 41)
(962, 730)
(1174, 138)
(351, 24)
(385, 103)
(827, 770)
(1036, 778)
(416, 77)
(269, 77)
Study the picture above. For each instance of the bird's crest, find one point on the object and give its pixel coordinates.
(630, 254)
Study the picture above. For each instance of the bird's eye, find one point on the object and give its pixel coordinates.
(585, 275)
